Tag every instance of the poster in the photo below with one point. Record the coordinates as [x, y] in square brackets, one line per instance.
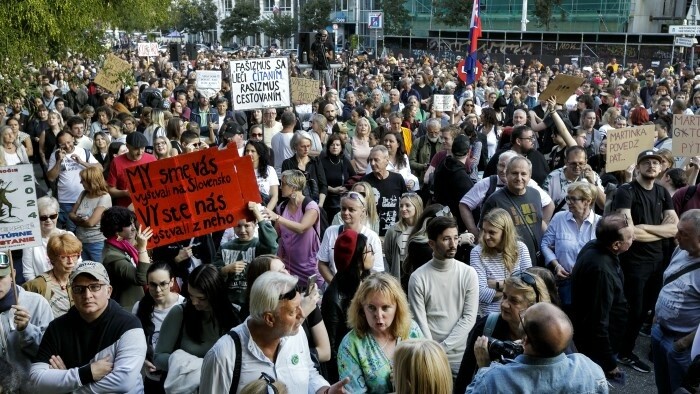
[148, 49]
[686, 135]
[208, 82]
[108, 76]
[625, 144]
[304, 90]
[19, 214]
[563, 86]
[443, 102]
[260, 83]
[192, 194]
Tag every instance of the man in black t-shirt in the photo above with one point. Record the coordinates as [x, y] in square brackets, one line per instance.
[649, 210]
[387, 186]
[321, 56]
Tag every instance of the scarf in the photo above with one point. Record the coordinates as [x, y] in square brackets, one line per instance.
[125, 247]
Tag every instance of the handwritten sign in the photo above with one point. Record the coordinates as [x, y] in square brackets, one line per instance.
[108, 76]
[304, 90]
[19, 218]
[260, 83]
[686, 135]
[193, 194]
[563, 86]
[443, 102]
[625, 144]
[148, 49]
[208, 82]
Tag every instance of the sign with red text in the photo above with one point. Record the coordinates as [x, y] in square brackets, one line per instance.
[625, 144]
[192, 194]
[686, 135]
[19, 217]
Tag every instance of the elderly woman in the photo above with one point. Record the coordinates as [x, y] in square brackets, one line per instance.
[125, 256]
[318, 133]
[316, 186]
[12, 152]
[567, 233]
[64, 253]
[35, 261]
[338, 170]
[379, 319]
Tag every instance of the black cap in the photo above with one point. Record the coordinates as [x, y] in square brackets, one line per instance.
[649, 154]
[460, 146]
[136, 140]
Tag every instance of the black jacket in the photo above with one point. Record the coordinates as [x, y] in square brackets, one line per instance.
[334, 308]
[451, 183]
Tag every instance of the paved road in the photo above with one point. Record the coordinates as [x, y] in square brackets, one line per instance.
[639, 383]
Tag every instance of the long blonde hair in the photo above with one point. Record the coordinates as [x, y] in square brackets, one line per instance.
[421, 367]
[501, 219]
[372, 216]
[417, 203]
[388, 286]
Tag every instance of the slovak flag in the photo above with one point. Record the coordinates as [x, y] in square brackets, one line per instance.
[472, 66]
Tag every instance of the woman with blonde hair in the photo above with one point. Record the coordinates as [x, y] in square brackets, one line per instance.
[162, 148]
[87, 212]
[379, 318]
[395, 244]
[498, 255]
[371, 218]
[421, 367]
[12, 152]
[157, 126]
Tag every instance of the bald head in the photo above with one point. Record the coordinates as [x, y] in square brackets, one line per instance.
[548, 330]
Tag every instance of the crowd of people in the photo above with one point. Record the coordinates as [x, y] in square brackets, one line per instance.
[398, 247]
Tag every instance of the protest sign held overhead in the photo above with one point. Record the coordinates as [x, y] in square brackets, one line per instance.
[109, 77]
[443, 102]
[148, 49]
[304, 90]
[208, 82]
[193, 194]
[563, 86]
[19, 218]
[625, 144]
[260, 83]
[686, 135]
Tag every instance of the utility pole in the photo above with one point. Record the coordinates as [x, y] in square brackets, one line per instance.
[692, 18]
[523, 19]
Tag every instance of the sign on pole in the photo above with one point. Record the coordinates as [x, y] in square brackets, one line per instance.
[304, 90]
[687, 42]
[376, 20]
[686, 135]
[691, 30]
[108, 76]
[625, 144]
[208, 82]
[148, 49]
[260, 83]
[443, 102]
[19, 218]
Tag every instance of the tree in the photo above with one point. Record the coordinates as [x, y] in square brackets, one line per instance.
[243, 21]
[453, 13]
[196, 16]
[396, 17]
[544, 9]
[315, 14]
[279, 26]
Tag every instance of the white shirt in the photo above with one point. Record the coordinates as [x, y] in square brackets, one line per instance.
[69, 186]
[325, 252]
[281, 145]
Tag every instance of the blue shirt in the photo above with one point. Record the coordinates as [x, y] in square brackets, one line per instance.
[564, 239]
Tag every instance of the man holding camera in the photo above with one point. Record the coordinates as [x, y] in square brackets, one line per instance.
[543, 366]
[321, 54]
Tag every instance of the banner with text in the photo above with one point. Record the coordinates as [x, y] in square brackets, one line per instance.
[208, 82]
[443, 102]
[109, 77]
[304, 90]
[148, 49]
[260, 83]
[686, 135]
[625, 144]
[193, 194]
[563, 86]
[19, 218]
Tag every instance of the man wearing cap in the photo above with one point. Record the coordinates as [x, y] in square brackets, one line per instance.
[117, 179]
[95, 347]
[451, 180]
[649, 210]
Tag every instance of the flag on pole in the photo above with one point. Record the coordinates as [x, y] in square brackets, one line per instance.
[472, 66]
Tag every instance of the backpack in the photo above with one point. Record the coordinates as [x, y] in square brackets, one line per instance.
[322, 217]
[237, 366]
[493, 185]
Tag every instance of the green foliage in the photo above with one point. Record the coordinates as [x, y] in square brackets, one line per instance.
[315, 14]
[544, 10]
[453, 13]
[243, 21]
[196, 16]
[354, 42]
[396, 17]
[279, 27]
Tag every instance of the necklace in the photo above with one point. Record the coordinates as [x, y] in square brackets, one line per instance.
[63, 286]
[330, 158]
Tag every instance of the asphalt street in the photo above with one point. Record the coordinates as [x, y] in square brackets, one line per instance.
[637, 382]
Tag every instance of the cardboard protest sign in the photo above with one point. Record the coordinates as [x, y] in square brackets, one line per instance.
[108, 76]
[260, 83]
[443, 102]
[148, 49]
[304, 90]
[19, 217]
[563, 86]
[625, 144]
[208, 82]
[192, 194]
[686, 135]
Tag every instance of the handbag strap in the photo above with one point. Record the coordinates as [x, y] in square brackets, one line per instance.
[522, 217]
[685, 270]
[237, 365]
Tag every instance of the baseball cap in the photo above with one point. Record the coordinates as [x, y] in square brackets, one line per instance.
[136, 140]
[92, 268]
[649, 154]
[460, 146]
[5, 268]
[344, 249]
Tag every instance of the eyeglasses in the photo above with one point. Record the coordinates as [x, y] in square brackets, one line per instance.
[522, 322]
[369, 250]
[529, 279]
[355, 196]
[527, 138]
[93, 287]
[159, 144]
[66, 257]
[444, 212]
[256, 135]
[162, 285]
[409, 194]
[269, 380]
[4, 261]
[571, 199]
[44, 218]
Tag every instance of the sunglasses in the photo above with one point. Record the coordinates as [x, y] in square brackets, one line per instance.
[444, 212]
[44, 218]
[4, 260]
[529, 279]
[355, 196]
[290, 295]
[269, 380]
[409, 194]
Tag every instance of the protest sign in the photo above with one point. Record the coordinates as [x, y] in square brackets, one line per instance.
[563, 86]
[260, 83]
[192, 194]
[109, 76]
[19, 218]
[304, 90]
[148, 49]
[625, 144]
[443, 102]
[208, 82]
[686, 135]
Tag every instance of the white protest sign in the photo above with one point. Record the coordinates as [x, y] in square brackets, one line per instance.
[19, 218]
[208, 82]
[147, 49]
[260, 83]
[625, 144]
[443, 102]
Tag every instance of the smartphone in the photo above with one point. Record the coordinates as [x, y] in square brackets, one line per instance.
[311, 282]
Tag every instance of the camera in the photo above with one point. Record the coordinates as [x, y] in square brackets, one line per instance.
[503, 351]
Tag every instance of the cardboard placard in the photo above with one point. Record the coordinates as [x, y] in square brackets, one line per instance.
[108, 76]
[208, 82]
[304, 90]
[192, 194]
[148, 49]
[625, 144]
[19, 216]
[686, 135]
[260, 83]
[443, 102]
[563, 86]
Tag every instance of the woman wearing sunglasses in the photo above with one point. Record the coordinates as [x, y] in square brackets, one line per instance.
[35, 260]
[372, 218]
